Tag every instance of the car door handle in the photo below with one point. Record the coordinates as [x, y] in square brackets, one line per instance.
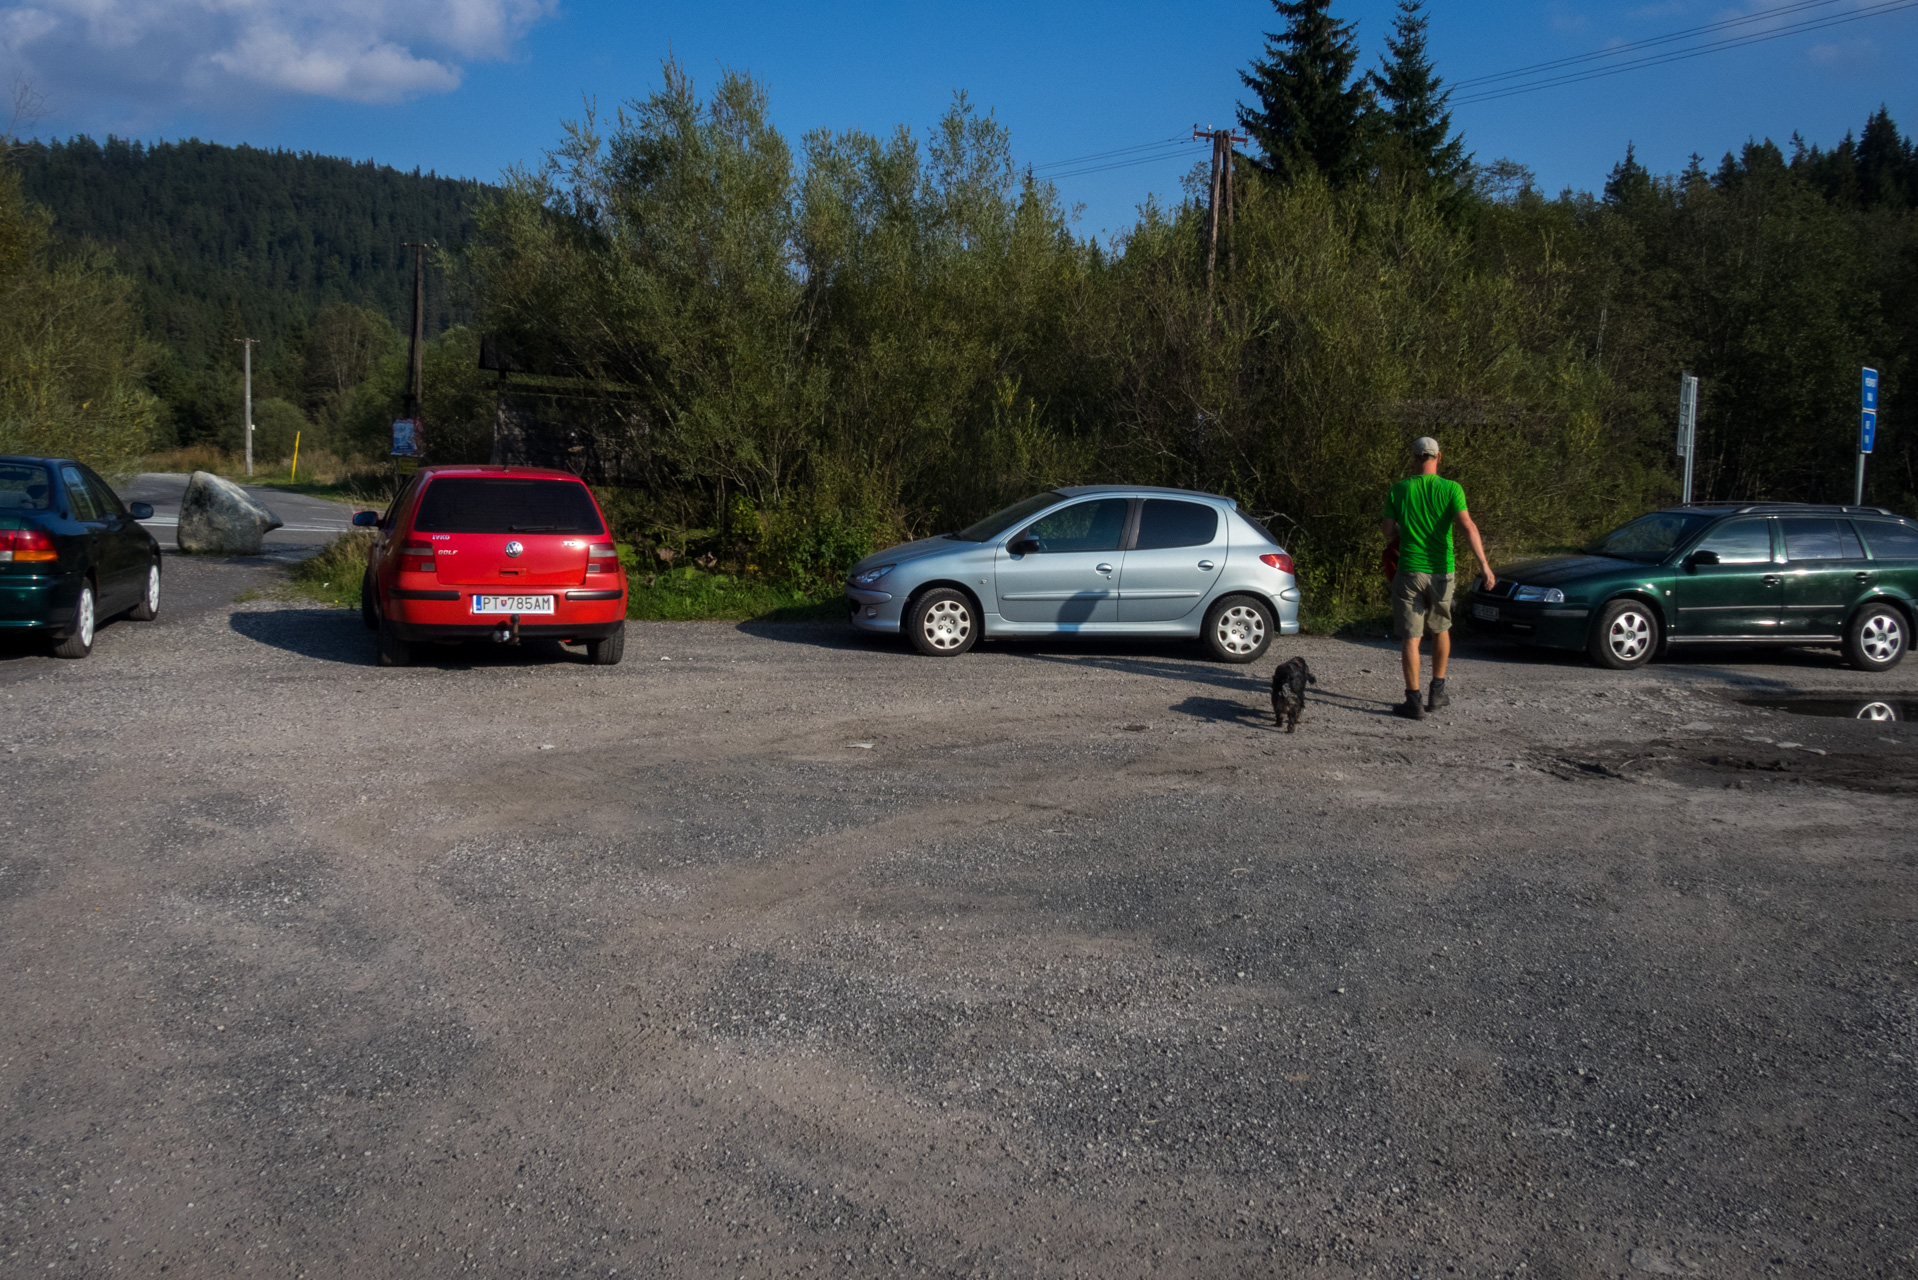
[1772, 579]
[1103, 568]
[1205, 564]
[1863, 578]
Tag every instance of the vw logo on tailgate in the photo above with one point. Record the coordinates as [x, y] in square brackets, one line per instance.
[514, 548]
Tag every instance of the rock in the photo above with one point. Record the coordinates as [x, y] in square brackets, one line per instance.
[218, 517]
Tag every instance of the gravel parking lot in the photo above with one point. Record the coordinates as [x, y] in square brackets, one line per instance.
[774, 951]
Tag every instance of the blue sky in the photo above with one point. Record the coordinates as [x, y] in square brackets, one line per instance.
[468, 87]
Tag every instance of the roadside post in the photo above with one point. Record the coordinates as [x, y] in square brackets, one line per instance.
[1867, 427]
[294, 474]
[1687, 427]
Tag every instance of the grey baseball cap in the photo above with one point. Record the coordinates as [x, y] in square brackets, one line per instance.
[1425, 447]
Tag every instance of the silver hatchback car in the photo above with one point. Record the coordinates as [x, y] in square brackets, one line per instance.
[1095, 560]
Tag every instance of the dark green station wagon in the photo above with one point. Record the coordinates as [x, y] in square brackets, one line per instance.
[1762, 573]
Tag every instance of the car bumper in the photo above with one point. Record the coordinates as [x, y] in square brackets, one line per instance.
[447, 614]
[874, 611]
[1552, 626]
[30, 601]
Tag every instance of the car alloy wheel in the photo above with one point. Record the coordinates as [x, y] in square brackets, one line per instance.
[1240, 629]
[1876, 638]
[946, 624]
[1625, 634]
[1630, 635]
[1237, 629]
[941, 623]
[149, 607]
[79, 643]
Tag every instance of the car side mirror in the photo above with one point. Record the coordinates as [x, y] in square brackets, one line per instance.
[1701, 556]
[365, 519]
[1023, 546]
[140, 510]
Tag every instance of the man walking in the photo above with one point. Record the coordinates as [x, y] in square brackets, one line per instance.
[1419, 515]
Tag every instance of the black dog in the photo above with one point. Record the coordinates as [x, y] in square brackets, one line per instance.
[1288, 691]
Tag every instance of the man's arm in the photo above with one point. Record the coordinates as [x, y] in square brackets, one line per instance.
[1390, 528]
[1464, 519]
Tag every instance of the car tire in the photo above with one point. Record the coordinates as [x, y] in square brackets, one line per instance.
[392, 651]
[607, 651]
[942, 623]
[1238, 629]
[149, 607]
[79, 642]
[1624, 636]
[369, 610]
[1877, 636]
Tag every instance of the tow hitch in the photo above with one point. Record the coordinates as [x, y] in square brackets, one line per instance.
[508, 634]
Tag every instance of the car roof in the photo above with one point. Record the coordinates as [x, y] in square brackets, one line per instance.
[1779, 508]
[36, 461]
[1081, 490]
[495, 469]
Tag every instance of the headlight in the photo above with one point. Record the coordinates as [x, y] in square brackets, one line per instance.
[870, 576]
[1548, 595]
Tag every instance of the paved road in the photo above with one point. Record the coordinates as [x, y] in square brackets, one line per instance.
[773, 952]
[309, 521]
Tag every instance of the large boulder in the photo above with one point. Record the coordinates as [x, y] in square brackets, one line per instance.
[218, 517]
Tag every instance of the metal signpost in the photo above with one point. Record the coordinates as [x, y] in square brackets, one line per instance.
[1687, 427]
[1867, 427]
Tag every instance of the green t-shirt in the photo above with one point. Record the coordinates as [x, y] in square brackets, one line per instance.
[1424, 507]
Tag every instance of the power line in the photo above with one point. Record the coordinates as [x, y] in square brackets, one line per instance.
[1613, 51]
[1102, 155]
[1719, 46]
[1163, 149]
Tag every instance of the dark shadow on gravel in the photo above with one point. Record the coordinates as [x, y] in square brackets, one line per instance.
[816, 635]
[337, 635]
[326, 635]
[1219, 711]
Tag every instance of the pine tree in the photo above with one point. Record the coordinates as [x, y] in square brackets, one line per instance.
[1885, 164]
[1311, 111]
[1412, 121]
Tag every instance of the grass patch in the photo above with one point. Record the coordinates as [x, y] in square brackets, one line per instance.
[333, 576]
[692, 595]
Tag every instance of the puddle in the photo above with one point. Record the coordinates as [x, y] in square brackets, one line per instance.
[1884, 708]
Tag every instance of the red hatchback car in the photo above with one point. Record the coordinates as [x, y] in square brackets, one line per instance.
[493, 553]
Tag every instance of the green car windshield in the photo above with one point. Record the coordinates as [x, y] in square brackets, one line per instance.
[1649, 538]
[1000, 521]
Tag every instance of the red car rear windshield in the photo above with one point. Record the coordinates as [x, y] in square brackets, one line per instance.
[506, 504]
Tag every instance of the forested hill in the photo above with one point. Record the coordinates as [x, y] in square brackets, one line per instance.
[224, 241]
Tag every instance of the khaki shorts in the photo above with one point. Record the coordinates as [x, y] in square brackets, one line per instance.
[1421, 604]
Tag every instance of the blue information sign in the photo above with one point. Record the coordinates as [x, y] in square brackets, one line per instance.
[1868, 405]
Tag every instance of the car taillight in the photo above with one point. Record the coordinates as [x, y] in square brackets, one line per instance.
[416, 557]
[1281, 561]
[18, 545]
[603, 558]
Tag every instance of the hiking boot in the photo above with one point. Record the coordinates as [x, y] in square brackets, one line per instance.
[1411, 708]
[1439, 698]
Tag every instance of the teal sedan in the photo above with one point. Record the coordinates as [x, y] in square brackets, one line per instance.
[1762, 574]
[72, 554]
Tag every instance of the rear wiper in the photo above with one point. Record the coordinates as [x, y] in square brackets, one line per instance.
[531, 528]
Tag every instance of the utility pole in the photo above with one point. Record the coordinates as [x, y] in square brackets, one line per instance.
[1223, 202]
[416, 347]
[409, 436]
[246, 420]
[1687, 428]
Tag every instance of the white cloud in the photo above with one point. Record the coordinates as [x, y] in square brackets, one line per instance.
[154, 57]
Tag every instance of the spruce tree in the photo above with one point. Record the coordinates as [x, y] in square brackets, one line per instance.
[1311, 112]
[1412, 121]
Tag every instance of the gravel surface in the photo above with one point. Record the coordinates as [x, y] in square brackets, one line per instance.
[773, 952]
